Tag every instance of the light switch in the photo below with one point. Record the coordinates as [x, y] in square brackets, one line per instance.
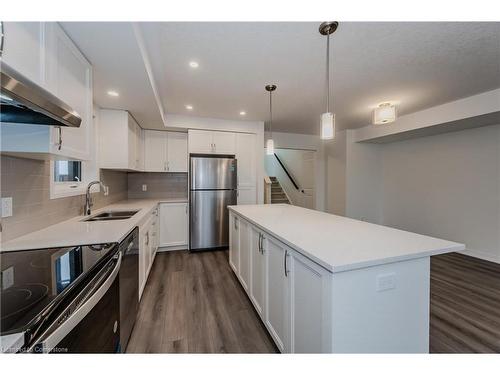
[7, 207]
[386, 282]
[144, 187]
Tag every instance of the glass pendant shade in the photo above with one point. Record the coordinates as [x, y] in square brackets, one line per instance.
[270, 147]
[384, 114]
[327, 125]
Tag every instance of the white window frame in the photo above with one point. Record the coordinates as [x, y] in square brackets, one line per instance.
[73, 188]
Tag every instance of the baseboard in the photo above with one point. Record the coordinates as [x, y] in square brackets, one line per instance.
[172, 248]
[481, 255]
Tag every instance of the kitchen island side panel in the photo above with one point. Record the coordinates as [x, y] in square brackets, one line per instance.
[382, 309]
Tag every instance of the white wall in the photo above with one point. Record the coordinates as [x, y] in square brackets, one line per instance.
[307, 142]
[176, 122]
[335, 155]
[446, 186]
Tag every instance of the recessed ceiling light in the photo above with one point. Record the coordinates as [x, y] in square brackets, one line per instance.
[189, 107]
[113, 93]
[193, 64]
[243, 113]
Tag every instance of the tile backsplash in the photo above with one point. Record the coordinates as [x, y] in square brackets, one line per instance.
[159, 185]
[27, 182]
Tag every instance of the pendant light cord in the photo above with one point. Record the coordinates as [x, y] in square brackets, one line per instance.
[270, 113]
[328, 73]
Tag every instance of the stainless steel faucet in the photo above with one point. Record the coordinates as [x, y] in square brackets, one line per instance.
[88, 199]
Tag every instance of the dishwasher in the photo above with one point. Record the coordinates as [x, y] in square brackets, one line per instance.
[129, 285]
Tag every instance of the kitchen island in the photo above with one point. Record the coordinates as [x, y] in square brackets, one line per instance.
[323, 283]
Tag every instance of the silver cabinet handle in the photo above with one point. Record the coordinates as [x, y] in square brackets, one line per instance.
[168, 166]
[147, 238]
[236, 224]
[284, 262]
[2, 38]
[262, 250]
[59, 143]
[260, 243]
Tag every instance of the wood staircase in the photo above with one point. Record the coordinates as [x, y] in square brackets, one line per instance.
[277, 193]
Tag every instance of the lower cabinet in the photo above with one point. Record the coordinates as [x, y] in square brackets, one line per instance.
[278, 312]
[145, 253]
[234, 243]
[291, 293]
[258, 269]
[173, 222]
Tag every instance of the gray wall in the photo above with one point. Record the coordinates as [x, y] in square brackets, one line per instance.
[28, 181]
[159, 185]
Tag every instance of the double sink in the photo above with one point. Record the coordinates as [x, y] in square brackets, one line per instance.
[112, 215]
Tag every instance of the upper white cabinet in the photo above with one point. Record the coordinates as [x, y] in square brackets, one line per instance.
[245, 155]
[165, 151]
[69, 77]
[211, 142]
[24, 49]
[173, 225]
[46, 55]
[120, 141]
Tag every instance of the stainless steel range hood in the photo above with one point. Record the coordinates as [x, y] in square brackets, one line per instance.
[24, 102]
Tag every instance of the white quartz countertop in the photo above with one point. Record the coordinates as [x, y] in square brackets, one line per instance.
[74, 231]
[338, 243]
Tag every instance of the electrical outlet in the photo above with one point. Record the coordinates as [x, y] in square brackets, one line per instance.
[386, 282]
[7, 207]
[106, 190]
[7, 278]
[144, 187]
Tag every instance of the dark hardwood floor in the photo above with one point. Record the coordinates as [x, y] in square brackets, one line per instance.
[465, 305]
[193, 303]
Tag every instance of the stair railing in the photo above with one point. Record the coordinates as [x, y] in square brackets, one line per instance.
[288, 174]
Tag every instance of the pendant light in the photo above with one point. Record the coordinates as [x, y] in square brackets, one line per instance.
[270, 142]
[328, 118]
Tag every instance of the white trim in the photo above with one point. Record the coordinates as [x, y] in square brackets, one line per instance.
[164, 249]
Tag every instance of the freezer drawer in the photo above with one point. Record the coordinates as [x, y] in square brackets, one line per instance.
[209, 218]
[212, 173]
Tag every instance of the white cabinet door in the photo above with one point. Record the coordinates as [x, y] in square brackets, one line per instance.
[258, 268]
[245, 156]
[173, 224]
[277, 318]
[69, 77]
[247, 196]
[245, 248]
[177, 153]
[234, 243]
[200, 141]
[155, 151]
[224, 143]
[310, 306]
[24, 49]
[139, 148]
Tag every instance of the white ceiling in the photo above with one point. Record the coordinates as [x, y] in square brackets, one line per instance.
[418, 65]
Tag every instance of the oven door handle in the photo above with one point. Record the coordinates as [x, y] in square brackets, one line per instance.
[64, 329]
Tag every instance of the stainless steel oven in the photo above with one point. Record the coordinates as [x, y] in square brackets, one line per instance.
[61, 300]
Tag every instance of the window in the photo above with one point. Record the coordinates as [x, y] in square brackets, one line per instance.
[66, 171]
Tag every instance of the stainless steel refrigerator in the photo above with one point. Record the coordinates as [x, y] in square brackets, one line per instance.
[212, 186]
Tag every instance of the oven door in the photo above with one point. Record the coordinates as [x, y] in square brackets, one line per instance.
[91, 323]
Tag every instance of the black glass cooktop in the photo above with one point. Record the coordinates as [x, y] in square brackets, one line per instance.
[34, 280]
